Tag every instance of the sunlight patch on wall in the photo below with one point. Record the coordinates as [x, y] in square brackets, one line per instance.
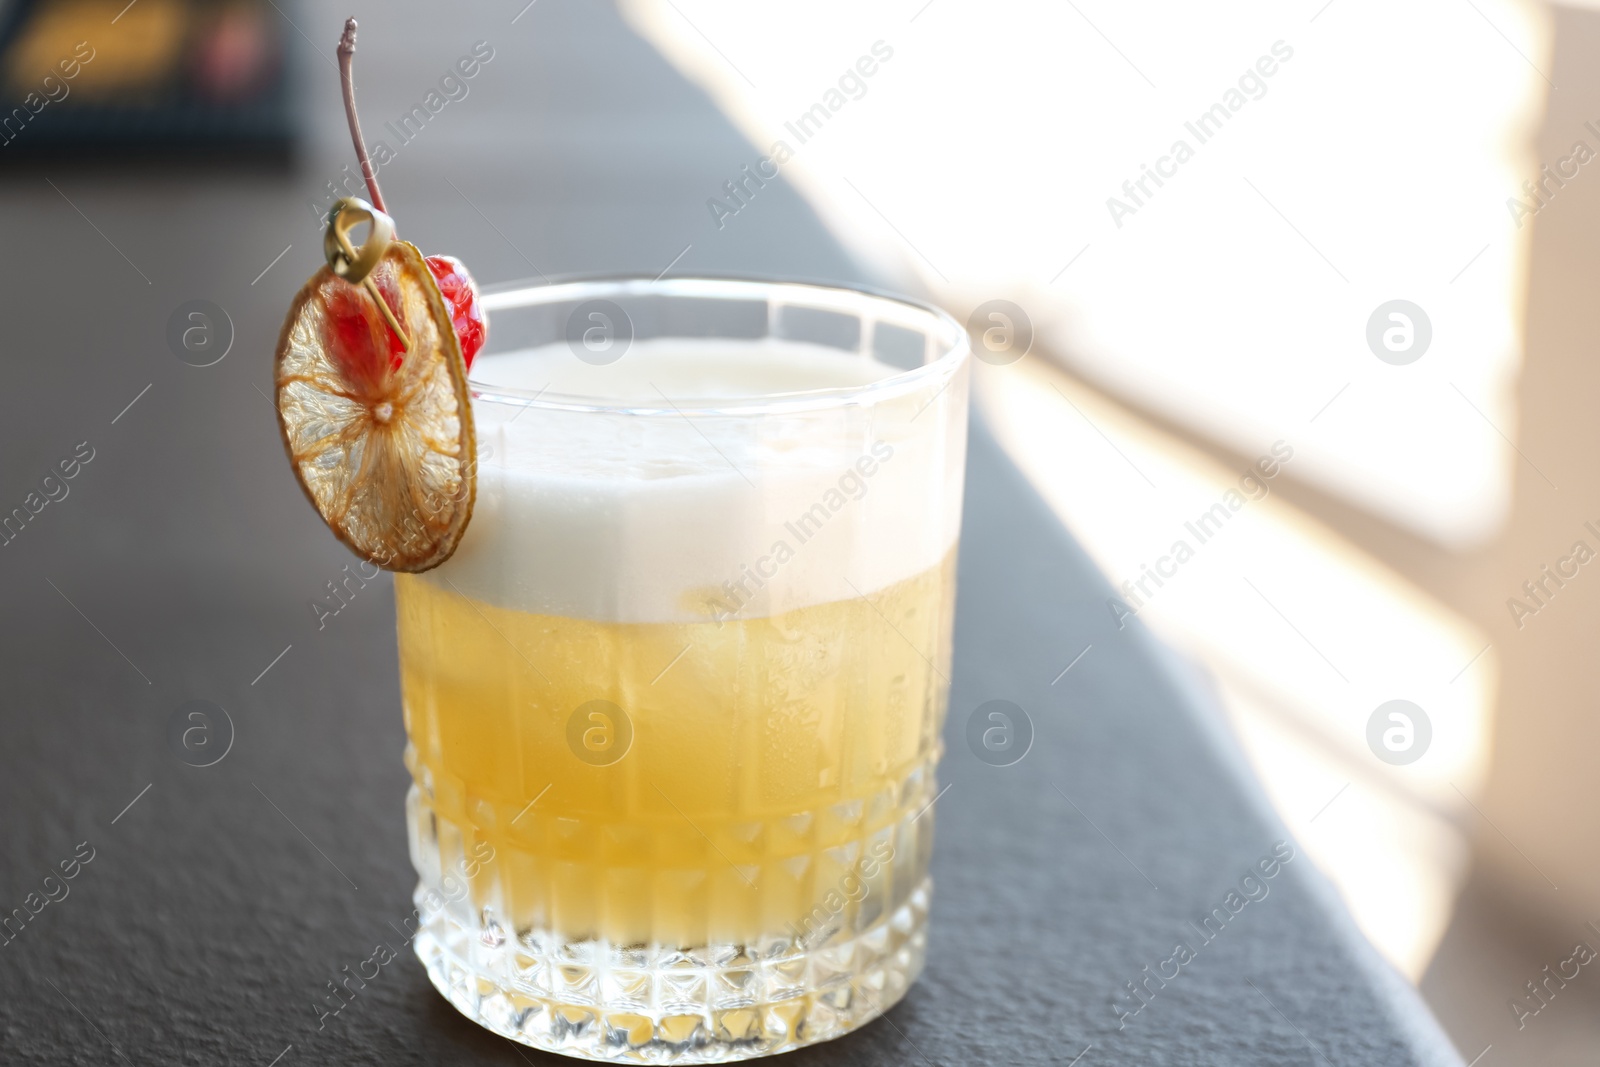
[1306, 635]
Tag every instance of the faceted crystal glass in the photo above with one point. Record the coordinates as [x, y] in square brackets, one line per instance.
[674, 707]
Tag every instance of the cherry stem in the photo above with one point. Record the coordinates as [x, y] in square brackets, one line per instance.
[347, 52]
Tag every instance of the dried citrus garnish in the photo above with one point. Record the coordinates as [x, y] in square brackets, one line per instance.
[378, 424]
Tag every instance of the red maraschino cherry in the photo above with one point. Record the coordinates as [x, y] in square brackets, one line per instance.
[461, 293]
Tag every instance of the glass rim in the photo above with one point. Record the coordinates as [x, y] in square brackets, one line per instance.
[892, 308]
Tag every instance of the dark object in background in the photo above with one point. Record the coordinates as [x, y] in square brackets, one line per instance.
[180, 80]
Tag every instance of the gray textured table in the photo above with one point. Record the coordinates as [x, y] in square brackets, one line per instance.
[219, 901]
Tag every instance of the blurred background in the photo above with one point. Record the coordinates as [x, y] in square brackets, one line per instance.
[1285, 309]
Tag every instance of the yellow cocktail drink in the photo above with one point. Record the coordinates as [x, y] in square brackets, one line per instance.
[674, 705]
[771, 761]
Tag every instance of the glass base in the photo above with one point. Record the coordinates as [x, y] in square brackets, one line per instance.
[713, 1004]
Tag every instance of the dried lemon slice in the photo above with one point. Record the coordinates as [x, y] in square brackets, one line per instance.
[378, 425]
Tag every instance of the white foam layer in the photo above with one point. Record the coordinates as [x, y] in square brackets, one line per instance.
[676, 517]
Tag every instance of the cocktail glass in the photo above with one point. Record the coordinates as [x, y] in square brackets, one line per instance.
[674, 706]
